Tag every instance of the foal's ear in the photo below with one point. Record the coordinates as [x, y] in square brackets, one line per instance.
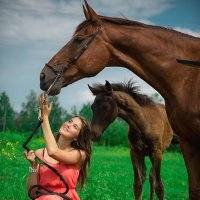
[108, 88]
[90, 14]
[93, 90]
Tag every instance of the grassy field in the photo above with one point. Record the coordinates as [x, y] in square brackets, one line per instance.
[111, 174]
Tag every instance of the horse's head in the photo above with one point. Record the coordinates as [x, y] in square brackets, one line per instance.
[85, 55]
[104, 109]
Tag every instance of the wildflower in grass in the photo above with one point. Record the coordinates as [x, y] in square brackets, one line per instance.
[11, 145]
[9, 150]
[8, 144]
[6, 154]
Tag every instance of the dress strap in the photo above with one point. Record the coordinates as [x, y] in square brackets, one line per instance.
[43, 152]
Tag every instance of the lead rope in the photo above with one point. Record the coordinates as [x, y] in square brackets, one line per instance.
[38, 187]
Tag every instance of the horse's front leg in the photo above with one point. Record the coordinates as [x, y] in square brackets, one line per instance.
[156, 159]
[191, 154]
[139, 173]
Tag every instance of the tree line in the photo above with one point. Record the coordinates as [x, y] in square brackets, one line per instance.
[24, 122]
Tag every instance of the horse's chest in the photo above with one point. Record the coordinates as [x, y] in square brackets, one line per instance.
[140, 144]
[185, 123]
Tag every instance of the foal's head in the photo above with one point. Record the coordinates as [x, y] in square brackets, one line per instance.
[84, 55]
[104, 109]
[112, 101]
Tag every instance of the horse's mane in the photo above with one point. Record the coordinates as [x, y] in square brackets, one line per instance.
[122, 21]
[127, 22]
[114, 20]
[128, 88]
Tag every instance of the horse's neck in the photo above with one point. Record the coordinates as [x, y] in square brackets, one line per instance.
[151, 54]
[129, 109]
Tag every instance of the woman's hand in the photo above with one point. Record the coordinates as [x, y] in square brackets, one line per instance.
[30, 156]
[45, 108]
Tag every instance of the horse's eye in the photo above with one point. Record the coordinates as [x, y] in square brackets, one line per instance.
[79, 39]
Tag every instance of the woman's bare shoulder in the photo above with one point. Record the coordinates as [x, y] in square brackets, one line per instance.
[81, 157]
[82, 154]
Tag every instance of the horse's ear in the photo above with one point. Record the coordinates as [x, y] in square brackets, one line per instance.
[86, 13]
[93, 90]
[91, 14]
[108, 87]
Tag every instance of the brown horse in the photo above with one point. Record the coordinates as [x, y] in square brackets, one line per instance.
[149, 130]
[149, 51]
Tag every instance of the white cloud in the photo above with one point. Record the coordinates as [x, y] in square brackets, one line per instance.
[136, 8]
[187, 31]
[86, 96]
[56, 20]
[37, 20]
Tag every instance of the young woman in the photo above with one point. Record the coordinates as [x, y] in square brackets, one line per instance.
[69, 153]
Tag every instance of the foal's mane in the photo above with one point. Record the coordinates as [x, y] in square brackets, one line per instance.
[128, 88]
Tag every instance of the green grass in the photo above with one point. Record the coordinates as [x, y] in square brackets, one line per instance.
[111, 174]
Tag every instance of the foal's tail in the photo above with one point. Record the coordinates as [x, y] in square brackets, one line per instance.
[175, 139]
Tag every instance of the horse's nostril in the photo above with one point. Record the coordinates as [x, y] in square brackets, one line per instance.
[42, 76]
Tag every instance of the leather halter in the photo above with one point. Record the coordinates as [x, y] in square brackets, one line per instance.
[71, 61]
[189, 62]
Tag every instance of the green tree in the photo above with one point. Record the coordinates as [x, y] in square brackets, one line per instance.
[7, 113]
[29, 114]
[58, 114]
[28, 117]
[74, 111]
[86, 111]
[115, 134]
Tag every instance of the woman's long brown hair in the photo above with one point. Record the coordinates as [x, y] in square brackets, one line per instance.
[83, 143]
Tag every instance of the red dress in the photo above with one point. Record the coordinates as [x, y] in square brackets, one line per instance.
[50, 180]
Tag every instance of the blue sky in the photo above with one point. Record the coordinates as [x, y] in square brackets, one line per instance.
[31, 32]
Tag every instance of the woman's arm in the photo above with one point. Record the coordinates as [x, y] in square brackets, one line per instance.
[49, 138]
[33, 176]
[71, 157]
[64, 156]
[68, 157]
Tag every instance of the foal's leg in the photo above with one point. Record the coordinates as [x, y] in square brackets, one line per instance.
[152, 182]
[156, 159]
[139, 173]
[143, 170]
[191, 154]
